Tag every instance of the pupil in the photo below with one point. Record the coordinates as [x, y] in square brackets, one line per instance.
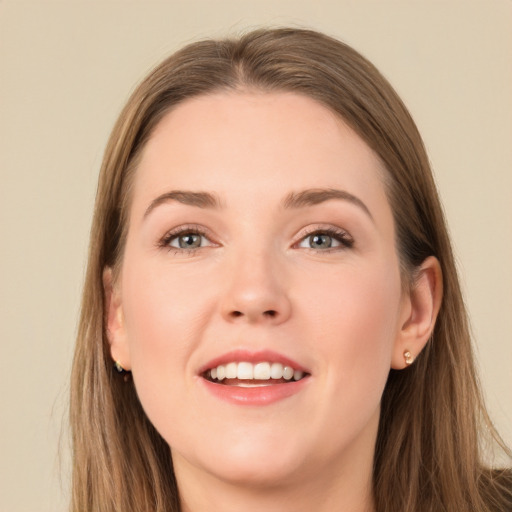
[188, 241]
[323, 241]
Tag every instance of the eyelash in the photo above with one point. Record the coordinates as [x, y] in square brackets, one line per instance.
[164, 243]
[340, 235]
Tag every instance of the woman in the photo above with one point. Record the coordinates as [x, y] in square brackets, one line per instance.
[271, 316]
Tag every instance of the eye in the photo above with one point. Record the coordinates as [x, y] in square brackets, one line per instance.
[185, 239]
[326, 239]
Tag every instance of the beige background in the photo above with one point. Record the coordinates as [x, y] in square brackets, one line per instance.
[66, 68]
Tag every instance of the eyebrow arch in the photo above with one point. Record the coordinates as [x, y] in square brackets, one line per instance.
[312, 196]
[199, 199]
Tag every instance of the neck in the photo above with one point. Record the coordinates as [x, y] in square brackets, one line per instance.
[348, 496]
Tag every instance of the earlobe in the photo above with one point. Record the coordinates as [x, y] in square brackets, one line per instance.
[420, 312]
[114, 320]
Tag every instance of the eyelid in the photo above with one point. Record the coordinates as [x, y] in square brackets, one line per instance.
[342, 235]
[196, 229]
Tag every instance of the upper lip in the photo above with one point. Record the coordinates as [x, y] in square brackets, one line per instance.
[251, 357]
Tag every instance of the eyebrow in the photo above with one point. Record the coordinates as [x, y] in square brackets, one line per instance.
[313, 196]
[198, 199]
[304, 198]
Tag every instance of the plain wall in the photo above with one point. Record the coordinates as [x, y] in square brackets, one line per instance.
[66, 68]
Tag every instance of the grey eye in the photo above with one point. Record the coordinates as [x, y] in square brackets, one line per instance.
[319, 241]
[325, 239]
[187, 241]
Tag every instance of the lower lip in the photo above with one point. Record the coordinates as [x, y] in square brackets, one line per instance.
[263, 395]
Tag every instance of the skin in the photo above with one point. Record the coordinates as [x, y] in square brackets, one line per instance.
[257, 283]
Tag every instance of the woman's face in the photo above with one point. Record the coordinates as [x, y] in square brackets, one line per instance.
[260, 238]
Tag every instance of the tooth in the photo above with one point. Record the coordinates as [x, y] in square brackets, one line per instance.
[276, 371]
[231, 371]
[262, 371]
[248, 384]
[297, 375]
[287, 372]
[245, 371]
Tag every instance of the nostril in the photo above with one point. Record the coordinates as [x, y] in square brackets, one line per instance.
[271, 313]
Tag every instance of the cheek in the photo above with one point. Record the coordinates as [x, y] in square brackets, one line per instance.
[357, 305]
[166, 313]
[354, 323]
[165, 308]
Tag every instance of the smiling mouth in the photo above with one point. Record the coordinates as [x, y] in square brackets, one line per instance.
[245, 374]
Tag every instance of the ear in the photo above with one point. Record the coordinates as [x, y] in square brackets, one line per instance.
[420, 307]
[116, 333]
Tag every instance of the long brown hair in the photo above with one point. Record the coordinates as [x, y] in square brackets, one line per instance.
[428, 448]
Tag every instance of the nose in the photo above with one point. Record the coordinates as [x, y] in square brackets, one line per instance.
[256, 291]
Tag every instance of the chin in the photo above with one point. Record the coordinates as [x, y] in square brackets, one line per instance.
[251, 461]
[265, 471]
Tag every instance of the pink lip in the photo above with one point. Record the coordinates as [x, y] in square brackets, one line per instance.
[252, 357]
[263, 395]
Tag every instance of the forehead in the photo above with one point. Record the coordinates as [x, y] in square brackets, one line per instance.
[252, 142]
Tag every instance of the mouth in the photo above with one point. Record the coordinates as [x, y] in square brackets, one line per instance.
[251, 375]
[248, 378]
